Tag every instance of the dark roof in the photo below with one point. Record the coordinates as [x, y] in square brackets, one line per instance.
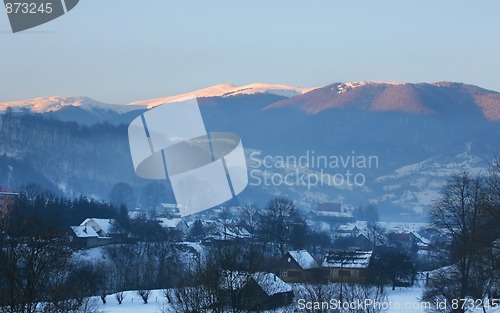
[329, 207]
[347, 259]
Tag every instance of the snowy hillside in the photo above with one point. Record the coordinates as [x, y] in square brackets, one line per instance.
[226, 90]
[418, 185]
[405, 300]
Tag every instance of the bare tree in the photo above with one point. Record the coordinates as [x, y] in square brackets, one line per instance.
[462, 218]
[320, 293]
[250, 215]
[31, 258]
[278, 222]
[354, 292]
[153, 194]
[122, 194]
[119, 296]
[144, 294]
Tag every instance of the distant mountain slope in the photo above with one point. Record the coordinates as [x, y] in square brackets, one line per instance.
[420, 134]
[227, 90]
[56, 103]
[444, 97]
[83, 110]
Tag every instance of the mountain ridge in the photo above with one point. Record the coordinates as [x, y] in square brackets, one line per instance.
[227, 90]
[56, 103]
[422, 98]
[377, 96]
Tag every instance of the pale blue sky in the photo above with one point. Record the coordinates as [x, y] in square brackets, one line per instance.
[119, 51]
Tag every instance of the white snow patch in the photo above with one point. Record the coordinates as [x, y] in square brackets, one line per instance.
[227, 90]
[344, 87]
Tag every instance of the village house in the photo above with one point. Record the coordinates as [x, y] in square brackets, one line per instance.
[87, 237]
[349, 228]
[7, 198]
[220, 230]
[93, 232]
[255, 291]
[175, 227]
[346, 266]
[409, 241]
[297, 266]
[332, 213]
[168, 210]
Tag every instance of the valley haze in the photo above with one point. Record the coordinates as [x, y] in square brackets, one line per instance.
[410, 138]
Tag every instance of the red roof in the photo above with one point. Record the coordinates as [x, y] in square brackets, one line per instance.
[4, 189]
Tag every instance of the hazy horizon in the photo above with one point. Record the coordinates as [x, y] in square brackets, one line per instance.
[119, 52]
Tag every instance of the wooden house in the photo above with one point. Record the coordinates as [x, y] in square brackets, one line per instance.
[296, 266]
[346, 266]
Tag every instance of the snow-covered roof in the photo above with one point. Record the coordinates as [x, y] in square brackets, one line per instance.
[237, 232]
[376, 237]
[333, 214]
[347, 227]
[220, 231]
[84, 231]
[270, 283]
[105, 224]
[169, 205]
[347, 259]
[423, 240]
[230, 233]
[196, 246]
[170, 222]
[303, 258]
[136, 215]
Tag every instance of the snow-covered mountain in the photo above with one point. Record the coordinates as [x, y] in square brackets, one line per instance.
[56, 103]
[88, 111]
[227, 90]
[378, 96]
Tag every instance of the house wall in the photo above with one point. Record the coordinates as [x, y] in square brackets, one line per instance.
[6, 199]
[90, 242]
[290, 271]
[291, 275]
[347, 275]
